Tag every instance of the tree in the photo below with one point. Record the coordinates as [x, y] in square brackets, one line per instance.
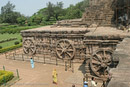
[21, 20]
[8, 15]
[7, 8]
[50, 11]
[58, 9]
[73, 12]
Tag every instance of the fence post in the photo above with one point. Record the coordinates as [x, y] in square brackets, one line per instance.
[4, 68]
[65, 66]
[17, 73]
[22, 57]
[70, 63]
[72, 66]
[44, 58]
[14, 55]
[4, 80]
[5, 56]
[56, 61]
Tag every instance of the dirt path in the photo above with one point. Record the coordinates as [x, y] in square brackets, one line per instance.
[40, 76]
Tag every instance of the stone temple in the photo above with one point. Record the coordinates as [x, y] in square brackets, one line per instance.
[92, 38]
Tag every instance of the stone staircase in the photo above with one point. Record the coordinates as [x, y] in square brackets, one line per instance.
[121, 74]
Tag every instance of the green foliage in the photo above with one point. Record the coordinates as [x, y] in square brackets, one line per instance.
[16, 42]
[8, 15]
[54, 12]
[73, 13]
[45, 16]
[21, 40]
[7, 8]
[5, 74]
[10, 48]
[21, 20]
[12, 29]
[50, 11]
[58, 9]
[1, 47]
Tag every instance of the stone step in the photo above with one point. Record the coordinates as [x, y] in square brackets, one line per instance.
[121, 74]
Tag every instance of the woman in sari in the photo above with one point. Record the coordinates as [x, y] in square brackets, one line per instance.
[54, 76]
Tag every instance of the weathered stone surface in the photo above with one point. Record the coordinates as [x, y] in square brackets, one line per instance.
[121, 74]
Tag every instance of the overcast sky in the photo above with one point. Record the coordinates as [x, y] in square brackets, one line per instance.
[28, 7]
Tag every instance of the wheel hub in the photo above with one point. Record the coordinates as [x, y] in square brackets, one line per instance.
[64, 50]
[103, 65]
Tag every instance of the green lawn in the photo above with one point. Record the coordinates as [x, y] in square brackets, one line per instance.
[7, 36]
[10, 31]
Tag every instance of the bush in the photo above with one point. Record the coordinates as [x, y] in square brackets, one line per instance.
[1, 47]
[12, 29]
[16, 42]
[8, 76]
[10, 48]
[6, 40]
[21, 40]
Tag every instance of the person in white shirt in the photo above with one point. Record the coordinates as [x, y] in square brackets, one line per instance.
[93, 83]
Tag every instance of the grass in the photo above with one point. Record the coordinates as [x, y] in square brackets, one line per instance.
[12, 31]
[7, 36]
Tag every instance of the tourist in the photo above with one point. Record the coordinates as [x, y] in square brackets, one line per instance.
[54, 76]
[85, 83]
[32, 63]
[93, 83]
[73, 85]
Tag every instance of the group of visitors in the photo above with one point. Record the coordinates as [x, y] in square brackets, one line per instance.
[93, 83]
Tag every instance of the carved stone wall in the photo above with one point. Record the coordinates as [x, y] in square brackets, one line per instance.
[99, 12]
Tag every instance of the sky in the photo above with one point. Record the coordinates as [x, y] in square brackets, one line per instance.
[29, 7]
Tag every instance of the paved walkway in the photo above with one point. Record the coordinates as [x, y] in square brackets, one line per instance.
[121, 74]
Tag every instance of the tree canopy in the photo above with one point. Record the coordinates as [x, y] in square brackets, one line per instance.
[8, 15]
[48, 15]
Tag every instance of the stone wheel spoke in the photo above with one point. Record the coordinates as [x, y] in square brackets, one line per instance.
[68, 46]
[70, 50]
[68, 54]
[104, 53]
[59, 49]
[98, 57]
[61, 53]
[60, 46]
[96, 62]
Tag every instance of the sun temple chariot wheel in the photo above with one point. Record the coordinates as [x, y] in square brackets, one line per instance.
[65, 49]
[29, 46]
[100, 61]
